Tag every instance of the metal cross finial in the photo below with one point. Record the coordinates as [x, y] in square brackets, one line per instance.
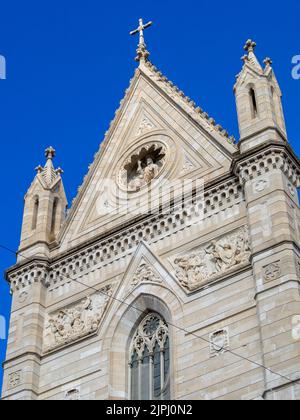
[142, 50]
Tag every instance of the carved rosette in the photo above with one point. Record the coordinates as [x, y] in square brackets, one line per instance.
[213, 260]
[142, 166]
[76, 321]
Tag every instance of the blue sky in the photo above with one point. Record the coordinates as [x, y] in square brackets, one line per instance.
[69, 63]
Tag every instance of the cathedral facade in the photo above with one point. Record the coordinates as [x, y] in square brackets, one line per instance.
[175, 273]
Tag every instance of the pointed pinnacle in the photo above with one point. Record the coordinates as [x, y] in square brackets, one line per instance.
[50, 153]
[250, 46]
[268, 62]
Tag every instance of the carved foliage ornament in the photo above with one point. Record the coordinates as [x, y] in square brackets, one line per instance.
[142, 167]
[145, 273]
[77, 321]
[208, 262]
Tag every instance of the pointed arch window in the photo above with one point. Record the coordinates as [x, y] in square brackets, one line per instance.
[253, 100]
[36, 206]
[149, 364]
[54, 213]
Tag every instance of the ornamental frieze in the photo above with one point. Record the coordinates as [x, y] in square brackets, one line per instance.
[76, 321]
[208, 262]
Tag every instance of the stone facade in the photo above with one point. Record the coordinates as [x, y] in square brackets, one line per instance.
[220, 265]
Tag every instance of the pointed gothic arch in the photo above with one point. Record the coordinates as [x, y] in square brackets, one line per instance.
[149, 360]
[121, 326]
[54, 217]
[36, 206]
[253, 102]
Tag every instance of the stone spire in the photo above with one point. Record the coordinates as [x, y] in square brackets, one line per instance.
[259, 104]
[48, 173]
[250, 57]
[142, 52]
[45, 209]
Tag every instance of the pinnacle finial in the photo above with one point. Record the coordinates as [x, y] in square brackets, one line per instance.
[50, 153]
[268, 62]
[250, 46]
[142, 52]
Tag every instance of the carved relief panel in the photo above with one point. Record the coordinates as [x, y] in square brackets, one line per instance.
[76, 321]
[208, 262]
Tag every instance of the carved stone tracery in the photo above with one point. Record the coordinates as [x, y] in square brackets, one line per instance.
[152, 330]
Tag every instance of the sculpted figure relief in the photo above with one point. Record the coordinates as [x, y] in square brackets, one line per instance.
[196, 269]
[142, 167]
[76, 321]
[145, 273]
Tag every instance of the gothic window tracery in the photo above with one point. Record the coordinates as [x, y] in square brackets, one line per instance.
[149, 365]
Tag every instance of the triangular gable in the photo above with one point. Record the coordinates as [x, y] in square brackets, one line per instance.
[146, 269]
[152, 111]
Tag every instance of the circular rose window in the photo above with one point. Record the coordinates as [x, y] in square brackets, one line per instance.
[143, 166]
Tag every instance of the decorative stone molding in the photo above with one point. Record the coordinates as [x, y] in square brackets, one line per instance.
[219, 342]
[36, 272]
[272, 272]
[270, 159]
[145, 273]
[76, 321]
[15, 379]
[213, 260]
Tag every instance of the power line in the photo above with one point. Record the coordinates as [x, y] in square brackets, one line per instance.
[5, 248]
